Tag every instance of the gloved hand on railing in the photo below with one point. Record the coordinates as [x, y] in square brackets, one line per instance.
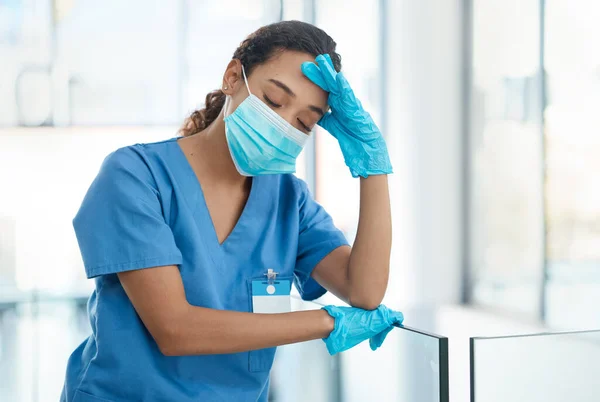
[362, 144]
[354, 325]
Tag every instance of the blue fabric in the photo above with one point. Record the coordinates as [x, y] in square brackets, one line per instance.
[354, 325]
[145, 209]
[362, 144]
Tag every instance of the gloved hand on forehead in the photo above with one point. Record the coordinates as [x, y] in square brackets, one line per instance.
[354, 325]
[362, 144]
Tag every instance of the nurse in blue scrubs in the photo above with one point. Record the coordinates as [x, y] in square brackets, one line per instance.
[189, 239]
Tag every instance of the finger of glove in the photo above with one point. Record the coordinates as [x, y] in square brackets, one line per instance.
[340, 78]
[397, 317]
[328, 57]
[313, 73]
[391, 316]
[328, 72]
[376, 341]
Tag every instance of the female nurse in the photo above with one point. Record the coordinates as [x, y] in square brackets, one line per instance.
[194, 242]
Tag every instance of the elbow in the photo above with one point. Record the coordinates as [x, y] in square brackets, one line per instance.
[367, 304]
[366, 301]
[366, 297]
[169, 343]
[169, 350]
[170, 335]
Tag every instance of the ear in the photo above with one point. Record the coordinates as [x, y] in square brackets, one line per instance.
[232, 79]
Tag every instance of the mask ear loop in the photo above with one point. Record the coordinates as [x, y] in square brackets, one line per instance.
[246, 80]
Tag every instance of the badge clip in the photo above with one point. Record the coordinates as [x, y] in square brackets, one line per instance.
[271, 276]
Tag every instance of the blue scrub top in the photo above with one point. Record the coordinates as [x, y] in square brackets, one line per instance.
[145, 209]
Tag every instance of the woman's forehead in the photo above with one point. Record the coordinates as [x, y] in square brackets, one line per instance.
[286, 67]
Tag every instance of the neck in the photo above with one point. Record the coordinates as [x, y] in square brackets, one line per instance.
[215, 158]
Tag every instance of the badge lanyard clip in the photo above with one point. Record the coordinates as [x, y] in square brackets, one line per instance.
[271, 276]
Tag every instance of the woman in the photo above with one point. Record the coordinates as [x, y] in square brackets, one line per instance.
[190, 239]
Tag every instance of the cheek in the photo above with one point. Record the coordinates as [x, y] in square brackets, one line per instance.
[310, 119]
[233, 102]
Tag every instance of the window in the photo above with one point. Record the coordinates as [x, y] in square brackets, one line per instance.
[213, 30]
[506, 214]
[572, 129]
[25, 51]
[358, 39]
[535, 204]
[137, 80]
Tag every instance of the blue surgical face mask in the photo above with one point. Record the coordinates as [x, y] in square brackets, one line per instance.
[260, 141]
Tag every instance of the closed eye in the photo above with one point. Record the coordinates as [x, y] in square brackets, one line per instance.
[304, 126]
[270, 102]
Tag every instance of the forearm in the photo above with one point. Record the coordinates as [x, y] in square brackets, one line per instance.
[206, 331]
[368, 270]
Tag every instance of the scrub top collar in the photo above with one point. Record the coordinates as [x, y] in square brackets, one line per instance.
[194, 196]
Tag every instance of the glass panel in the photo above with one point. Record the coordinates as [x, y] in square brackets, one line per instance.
[506, 181]
[546, 368]
[358, 38]
[572, 120]
[304, 372]
[410, 366]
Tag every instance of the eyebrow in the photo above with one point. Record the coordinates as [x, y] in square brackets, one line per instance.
[317, 110]
[291, 93]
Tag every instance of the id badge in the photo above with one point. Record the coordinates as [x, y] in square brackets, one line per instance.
[271, 297]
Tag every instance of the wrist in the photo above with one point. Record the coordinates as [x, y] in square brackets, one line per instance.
[328, 323]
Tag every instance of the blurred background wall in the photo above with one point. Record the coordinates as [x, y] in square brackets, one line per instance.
[489, 107]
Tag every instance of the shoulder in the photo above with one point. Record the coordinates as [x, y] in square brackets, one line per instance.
[126, 158]
[126, 172]
[136, 157]
[124, 176]
[136, 161]
[125, 165]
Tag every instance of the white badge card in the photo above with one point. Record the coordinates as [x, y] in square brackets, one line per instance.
[271, 297]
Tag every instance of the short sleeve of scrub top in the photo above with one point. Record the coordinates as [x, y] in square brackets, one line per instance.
[119, 226]
[317, 238]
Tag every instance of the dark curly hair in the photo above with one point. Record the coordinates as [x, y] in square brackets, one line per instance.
[259, 48]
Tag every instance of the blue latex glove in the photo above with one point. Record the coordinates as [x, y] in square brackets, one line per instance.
[362, 144]
[354, 325]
